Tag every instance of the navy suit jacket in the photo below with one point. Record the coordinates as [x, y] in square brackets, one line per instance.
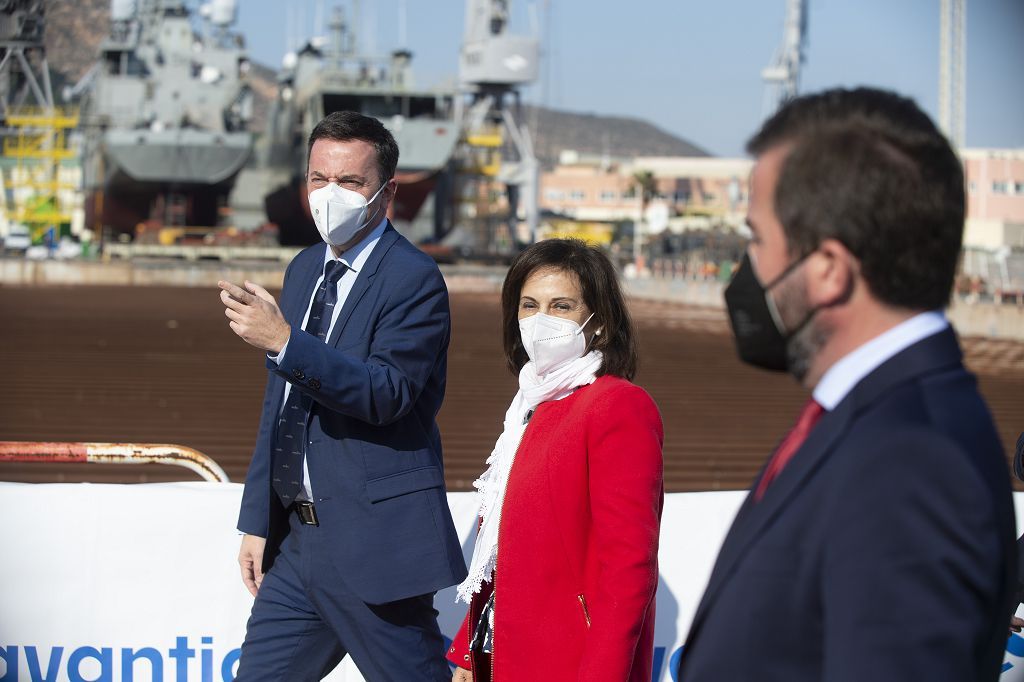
[883, 551]
[373, 447]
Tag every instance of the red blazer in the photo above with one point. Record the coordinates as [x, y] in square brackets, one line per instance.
[578, 543]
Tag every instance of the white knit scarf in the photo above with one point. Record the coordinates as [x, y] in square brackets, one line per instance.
[533, 390]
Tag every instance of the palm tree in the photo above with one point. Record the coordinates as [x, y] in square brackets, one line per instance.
[644, 182]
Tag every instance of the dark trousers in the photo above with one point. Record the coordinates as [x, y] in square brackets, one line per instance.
[305, 620]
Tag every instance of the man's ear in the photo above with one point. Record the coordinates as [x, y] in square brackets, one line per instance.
[832, 272]
[390, 188]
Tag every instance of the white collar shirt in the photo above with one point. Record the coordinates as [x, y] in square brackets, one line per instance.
[844, 375]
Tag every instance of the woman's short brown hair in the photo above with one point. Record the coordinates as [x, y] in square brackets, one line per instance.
[601, 292]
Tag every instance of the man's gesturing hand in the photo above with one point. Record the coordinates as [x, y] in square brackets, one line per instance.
[255, 316]
[250, 559]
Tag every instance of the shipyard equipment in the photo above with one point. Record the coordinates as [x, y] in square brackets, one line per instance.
[498, 169]
[782, 76]
[333, 73]
[34, 131]
[952, 69]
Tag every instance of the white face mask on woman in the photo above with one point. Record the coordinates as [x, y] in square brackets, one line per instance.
[340, 213]
[552, 342]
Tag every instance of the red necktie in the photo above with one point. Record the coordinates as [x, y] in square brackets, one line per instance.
[809, 416]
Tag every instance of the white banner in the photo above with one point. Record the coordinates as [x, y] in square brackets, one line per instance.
[140, 582]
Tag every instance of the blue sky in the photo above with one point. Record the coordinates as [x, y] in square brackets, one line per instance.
[693, 68]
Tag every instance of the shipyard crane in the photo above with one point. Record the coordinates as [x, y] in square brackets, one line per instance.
[493, 65]
[24, 76]
[782, 76]
[952, 69]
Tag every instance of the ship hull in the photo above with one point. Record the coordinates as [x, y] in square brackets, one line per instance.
[134, 171]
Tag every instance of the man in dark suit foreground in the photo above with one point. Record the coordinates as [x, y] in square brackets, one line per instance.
[877, 543]
[347, 528]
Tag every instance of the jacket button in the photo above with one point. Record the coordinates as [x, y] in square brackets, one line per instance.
[465, 657]
[314, 384]
[298, 374]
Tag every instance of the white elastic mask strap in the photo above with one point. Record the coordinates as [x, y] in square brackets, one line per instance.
[370, 201]
[585, 322]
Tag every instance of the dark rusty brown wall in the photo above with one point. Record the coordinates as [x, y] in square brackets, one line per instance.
[159, 365]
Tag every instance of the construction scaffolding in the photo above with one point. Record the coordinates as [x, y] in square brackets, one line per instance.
[41, 194]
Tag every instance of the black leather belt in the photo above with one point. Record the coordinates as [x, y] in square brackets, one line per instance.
[306, 513]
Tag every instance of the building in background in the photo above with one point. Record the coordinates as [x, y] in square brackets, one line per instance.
[689, 192]
[993, 256]
[693, 222]
[995, 198]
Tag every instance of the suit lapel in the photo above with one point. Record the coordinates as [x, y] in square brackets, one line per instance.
[295, 302]
[928, 355]
[753, 517]
[364, 279]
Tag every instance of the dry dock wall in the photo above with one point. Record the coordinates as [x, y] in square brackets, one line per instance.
[986, 319]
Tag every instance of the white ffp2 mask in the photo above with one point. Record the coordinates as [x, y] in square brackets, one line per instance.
[552, 342]
[339, 213]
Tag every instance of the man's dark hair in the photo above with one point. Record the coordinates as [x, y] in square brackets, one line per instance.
[344, 126]
[601, 293]
[869, 168]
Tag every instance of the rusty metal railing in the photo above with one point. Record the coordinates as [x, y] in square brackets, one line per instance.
[114, 453]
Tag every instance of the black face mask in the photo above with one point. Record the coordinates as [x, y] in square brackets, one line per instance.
[760, 341]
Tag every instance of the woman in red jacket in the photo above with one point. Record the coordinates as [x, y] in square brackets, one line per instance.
[562, 581]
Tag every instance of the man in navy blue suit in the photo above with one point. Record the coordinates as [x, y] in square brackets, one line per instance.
[347, 530]
[878, 542]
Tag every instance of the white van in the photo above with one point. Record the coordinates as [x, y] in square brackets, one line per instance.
[17, 240]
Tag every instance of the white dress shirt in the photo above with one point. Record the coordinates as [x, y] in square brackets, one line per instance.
[840, 378]
[354, 259]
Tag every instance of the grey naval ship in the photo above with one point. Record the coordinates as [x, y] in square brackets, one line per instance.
[331, 73]
[165, 111]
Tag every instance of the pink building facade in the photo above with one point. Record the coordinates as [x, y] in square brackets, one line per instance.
[995, 198]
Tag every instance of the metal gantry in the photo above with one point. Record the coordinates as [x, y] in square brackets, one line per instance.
[953, 69]
[782, 76]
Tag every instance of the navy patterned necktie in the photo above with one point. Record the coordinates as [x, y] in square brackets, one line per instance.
[291, 426]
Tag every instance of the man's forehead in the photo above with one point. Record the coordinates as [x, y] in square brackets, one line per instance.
[351, 156]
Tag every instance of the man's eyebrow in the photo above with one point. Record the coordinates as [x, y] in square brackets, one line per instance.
[348, 176]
